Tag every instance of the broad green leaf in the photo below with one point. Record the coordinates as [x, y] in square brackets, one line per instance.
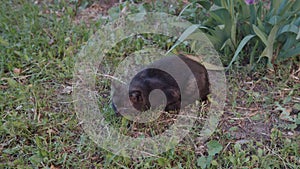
[285, 6]
[214, 147]
[234, 30]
[296, 5]
[290, 53]
[259, 23]
[201, 162]
[275, 5]
[198, 35]
[205, 4]
[289, 28]
[272, 36]
[268, 51]
[240, 47]
[260, 34]
[253, 53]
[275, 20]
[217, 2]
[253, 14]
[183, 36]
[289, 43]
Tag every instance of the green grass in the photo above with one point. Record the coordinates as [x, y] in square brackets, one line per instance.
[39, 128]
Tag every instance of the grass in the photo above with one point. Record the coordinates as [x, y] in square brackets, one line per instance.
[39, 128]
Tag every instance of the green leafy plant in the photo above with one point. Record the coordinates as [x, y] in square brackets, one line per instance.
[286, 116]
[214, 147]
[251, 31]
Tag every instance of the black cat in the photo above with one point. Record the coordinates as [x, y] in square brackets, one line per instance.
[188, 76]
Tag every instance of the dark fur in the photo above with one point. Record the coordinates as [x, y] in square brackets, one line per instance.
[153, 78]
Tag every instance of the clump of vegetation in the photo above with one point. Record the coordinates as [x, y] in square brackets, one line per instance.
[244, 32]
[250, 30]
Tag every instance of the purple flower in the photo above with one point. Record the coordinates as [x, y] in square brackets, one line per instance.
[249, 2]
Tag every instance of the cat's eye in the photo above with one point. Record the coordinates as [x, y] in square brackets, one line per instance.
[135, 96]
